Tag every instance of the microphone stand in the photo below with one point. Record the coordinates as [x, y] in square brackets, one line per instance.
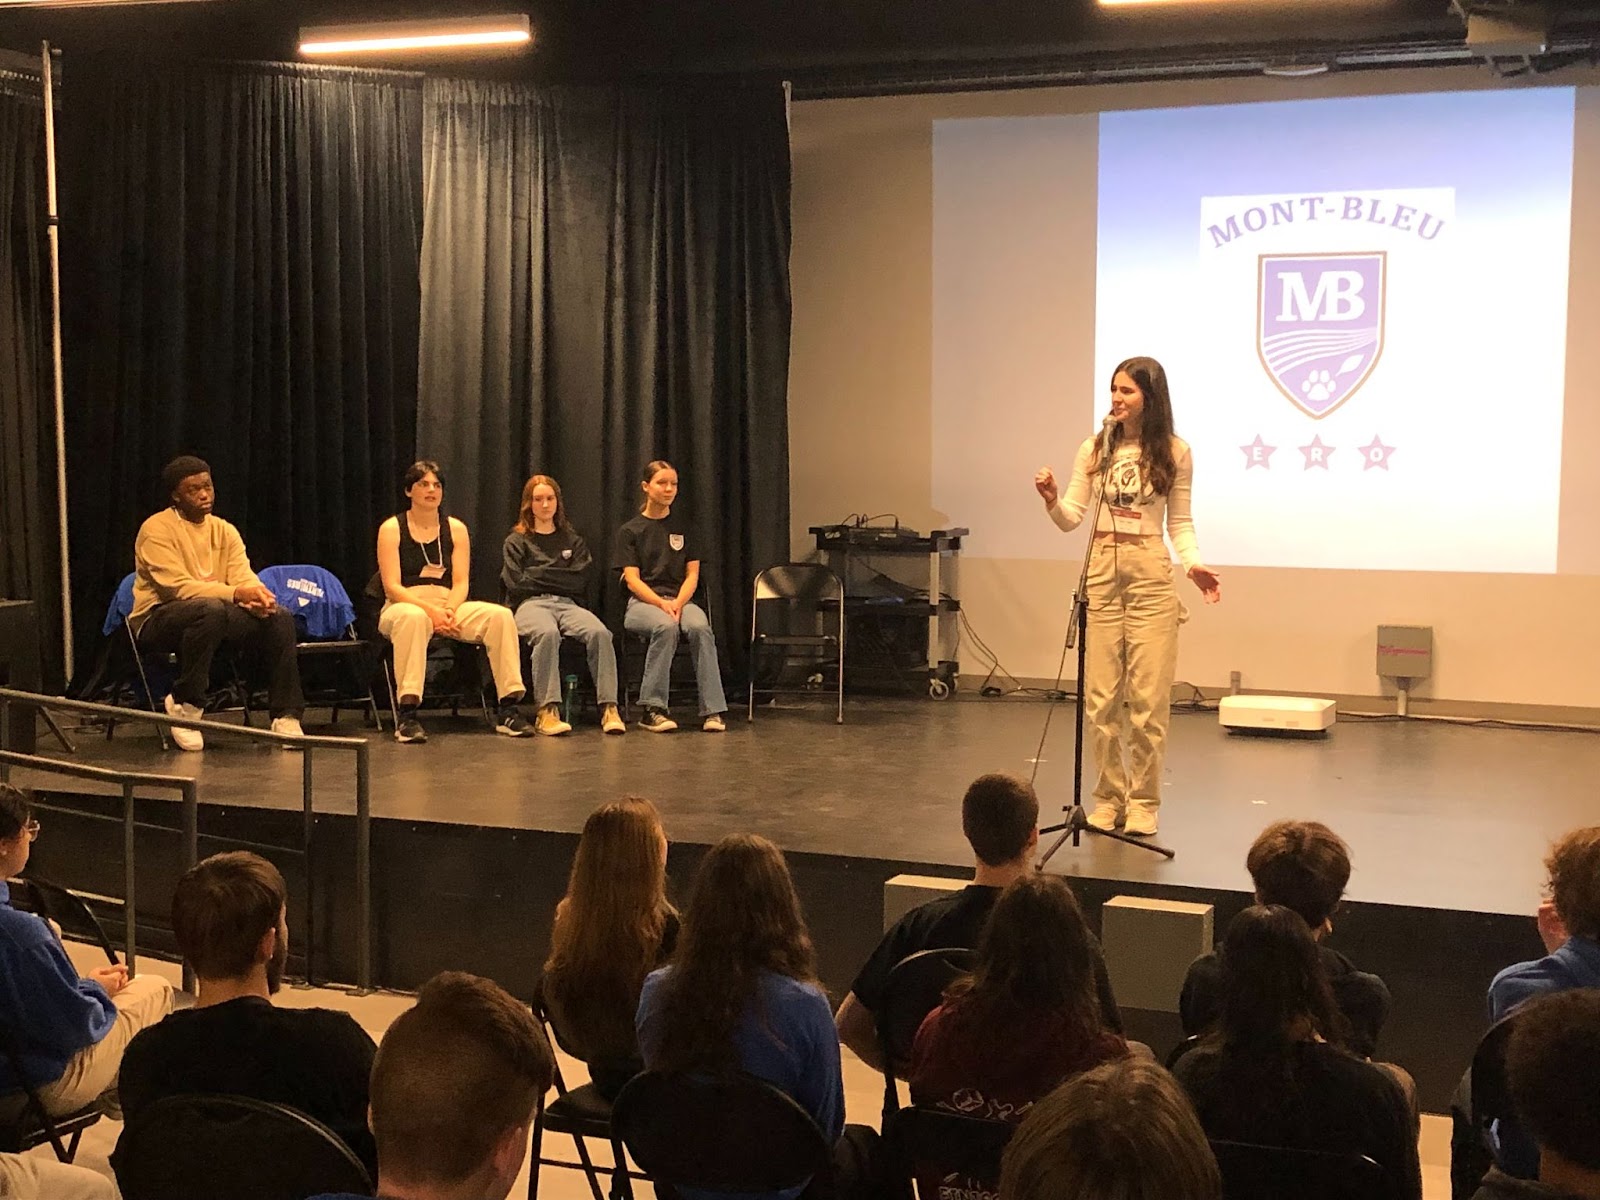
[1075, 822]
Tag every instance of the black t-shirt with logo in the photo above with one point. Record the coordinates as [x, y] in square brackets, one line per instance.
[661, 548]
[545, 564]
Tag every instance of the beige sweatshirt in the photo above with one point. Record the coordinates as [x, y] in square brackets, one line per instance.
[174, 559]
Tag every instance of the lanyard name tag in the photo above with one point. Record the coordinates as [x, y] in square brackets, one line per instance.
[1126, 520]
[433, 570]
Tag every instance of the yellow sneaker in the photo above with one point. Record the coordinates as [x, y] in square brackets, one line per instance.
[550, 723]
[1141, 820]
[611, 720]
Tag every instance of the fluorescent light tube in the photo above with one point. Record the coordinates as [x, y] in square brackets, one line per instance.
[376, 37]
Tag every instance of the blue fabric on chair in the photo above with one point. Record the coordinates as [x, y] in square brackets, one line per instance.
[320, 605]
[121, 605]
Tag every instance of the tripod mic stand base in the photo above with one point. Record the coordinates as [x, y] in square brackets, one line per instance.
[1075, 823]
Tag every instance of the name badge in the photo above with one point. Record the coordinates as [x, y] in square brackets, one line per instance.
[1126, 520]
[433, 570]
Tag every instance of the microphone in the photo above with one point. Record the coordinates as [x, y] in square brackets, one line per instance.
[1111, 427]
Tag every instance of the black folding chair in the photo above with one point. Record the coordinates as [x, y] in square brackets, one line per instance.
[929, 1142]
[335, 670]
[1251, 1172]
[36, 894]
[581, 1112]
[720, 1133]
[791, 608]
[914, 988]
[457, 672]
[232, 1148]
[633, 647]
[24, 1120]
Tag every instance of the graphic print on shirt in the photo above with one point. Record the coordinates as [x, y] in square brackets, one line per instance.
[1125, 485]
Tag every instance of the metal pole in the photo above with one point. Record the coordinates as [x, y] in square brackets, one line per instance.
[363, 871]
[129, 907]
[53, 222]
[307, 837]
[191, 855]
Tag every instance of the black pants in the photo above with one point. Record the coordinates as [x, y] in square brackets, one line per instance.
[195, 628]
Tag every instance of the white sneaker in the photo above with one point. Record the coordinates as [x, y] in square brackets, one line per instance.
[1141, 820]
[1104, 816]
[186, 739]
[290, 726]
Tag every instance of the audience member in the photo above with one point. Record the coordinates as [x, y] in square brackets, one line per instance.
[742, 993]
[30, 1177]
[70, 1031]
[613, 927]
[1000, 818]
[194, 591]
[1303, 866]
[1123, 1131]
[1552, 1063]
[1569, 926]
[459, 1079]
[1025, 1019]
[1274, 1072]
[228, 916]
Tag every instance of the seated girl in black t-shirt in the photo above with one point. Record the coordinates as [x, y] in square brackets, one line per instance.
[659, 557]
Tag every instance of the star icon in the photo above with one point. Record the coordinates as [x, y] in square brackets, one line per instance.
[1316, 453]
[1375, 454]
[1258, 454]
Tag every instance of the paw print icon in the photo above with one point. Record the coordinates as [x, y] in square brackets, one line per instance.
[1319, 386]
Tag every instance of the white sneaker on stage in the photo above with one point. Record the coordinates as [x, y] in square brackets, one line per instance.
[187, 739]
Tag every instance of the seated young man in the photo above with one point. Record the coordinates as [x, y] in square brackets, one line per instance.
[1569, 926]
[193, 591]
[229, 921]
[1552, 1063]
[1303, 866]
[459, 1079]
[71, 1031]
[1000, 818]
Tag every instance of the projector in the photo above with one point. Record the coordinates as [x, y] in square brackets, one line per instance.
[1300, 715]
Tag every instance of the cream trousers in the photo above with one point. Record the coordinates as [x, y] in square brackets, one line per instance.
[1132, 656]
[490, 625]
[92, 1070]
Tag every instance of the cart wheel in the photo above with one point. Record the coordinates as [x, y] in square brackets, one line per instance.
[938, 689]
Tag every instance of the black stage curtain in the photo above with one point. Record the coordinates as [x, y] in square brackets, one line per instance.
[605, 279]
[240, 257]
[29, 530]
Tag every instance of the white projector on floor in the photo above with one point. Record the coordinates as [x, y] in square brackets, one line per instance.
[1276, 714]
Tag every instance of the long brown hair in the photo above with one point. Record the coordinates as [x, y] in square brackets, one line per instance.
[743, 918]
[1034, 961]
[1156, 462]
[525, 512]
[608, 927]
[1274, 986]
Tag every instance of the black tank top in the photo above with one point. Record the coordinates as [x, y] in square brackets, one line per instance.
[414, 555]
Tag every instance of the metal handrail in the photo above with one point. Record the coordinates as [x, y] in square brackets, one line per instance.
[304, 742]
[127, 781]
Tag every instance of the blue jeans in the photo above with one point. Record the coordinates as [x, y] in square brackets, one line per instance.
[662, 630]
[543, 621]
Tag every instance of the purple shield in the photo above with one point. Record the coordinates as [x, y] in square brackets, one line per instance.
[1319, 328]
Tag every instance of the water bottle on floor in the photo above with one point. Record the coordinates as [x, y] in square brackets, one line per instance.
[569, 694]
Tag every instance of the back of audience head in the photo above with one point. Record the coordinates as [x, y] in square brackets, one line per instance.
[1274, 989]
[1573, 866]
[16, 814]
[456, 1085]
[228, 916]
[609, 925]
[1552, 1063]
[1302, 865]
[743, 918]
[1000, 817]
[1123, 1131]
[1034, 957]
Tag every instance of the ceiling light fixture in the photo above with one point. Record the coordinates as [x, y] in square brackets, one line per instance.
[378, 37]
[86, 3]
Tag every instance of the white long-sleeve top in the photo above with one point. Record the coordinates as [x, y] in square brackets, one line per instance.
[1127, 494]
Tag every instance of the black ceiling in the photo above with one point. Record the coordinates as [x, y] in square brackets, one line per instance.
[843, 46]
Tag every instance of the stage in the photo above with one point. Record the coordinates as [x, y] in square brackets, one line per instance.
[1437, 816]
[473, 832]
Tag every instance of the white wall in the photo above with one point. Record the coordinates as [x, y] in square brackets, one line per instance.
[861, 417]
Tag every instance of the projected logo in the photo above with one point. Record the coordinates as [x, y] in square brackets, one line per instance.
[1320, 325]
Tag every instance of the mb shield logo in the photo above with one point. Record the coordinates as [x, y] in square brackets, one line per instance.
[1319, 328]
